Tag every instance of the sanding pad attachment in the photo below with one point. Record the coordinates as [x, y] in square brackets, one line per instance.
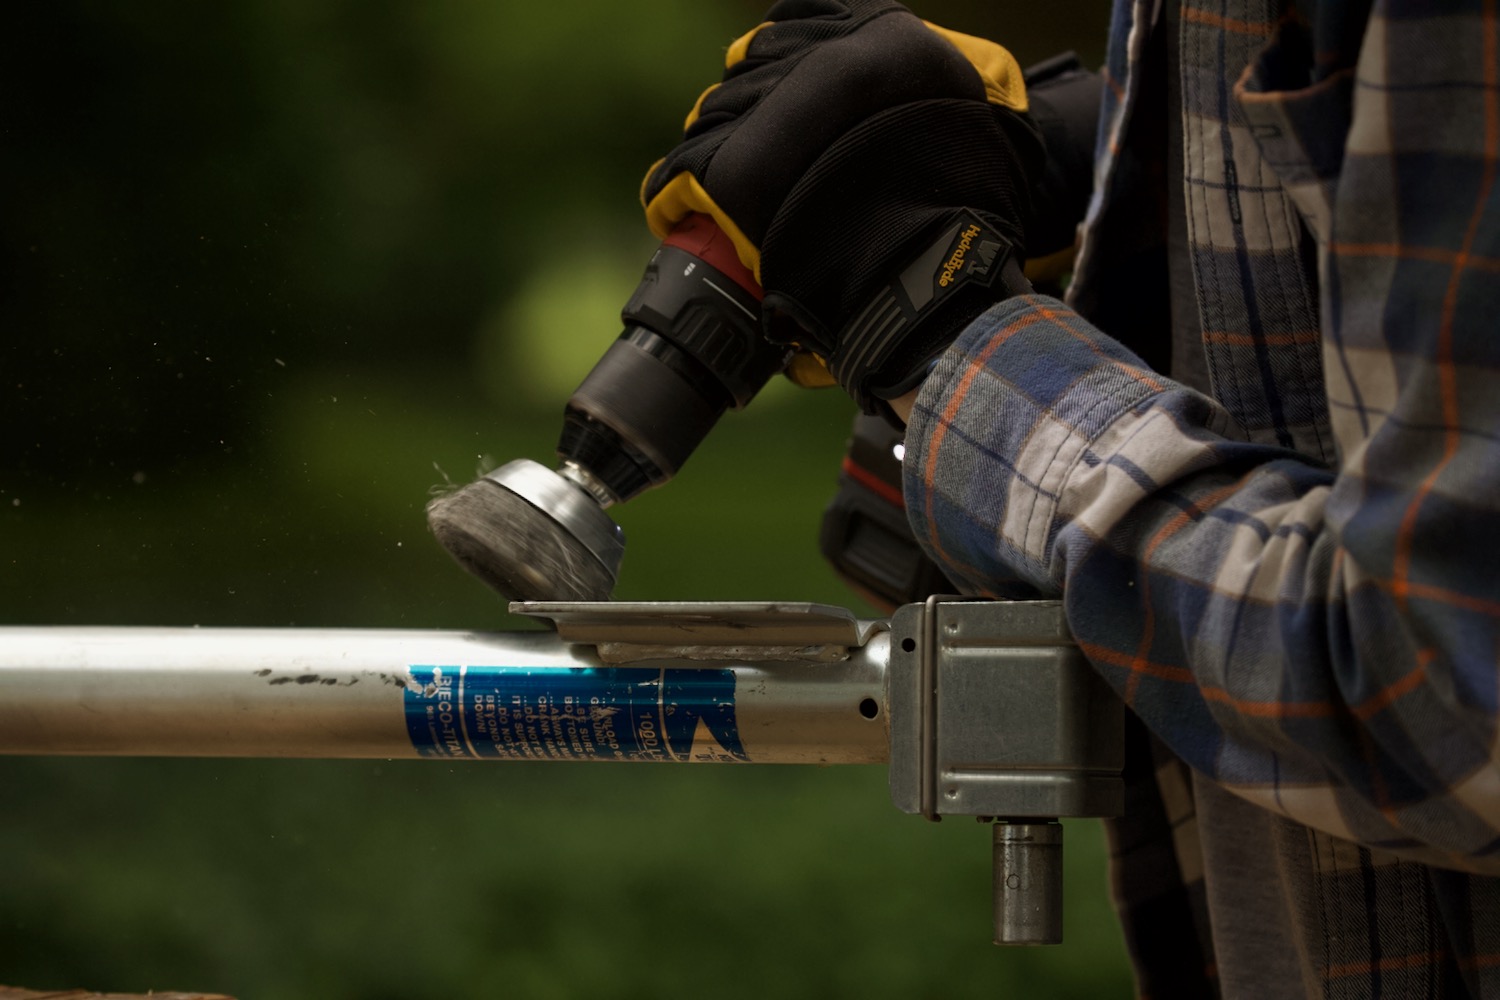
[530, 534]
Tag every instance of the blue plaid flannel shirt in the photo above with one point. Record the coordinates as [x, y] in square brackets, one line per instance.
[1294, 585]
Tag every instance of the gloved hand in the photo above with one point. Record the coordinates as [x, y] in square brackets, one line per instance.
[873, 171]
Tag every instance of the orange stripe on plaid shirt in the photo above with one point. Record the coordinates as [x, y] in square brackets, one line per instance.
[1443, 595]
[1266, 340]
[950, 411]
[976, 365]
[1418, 960]
[1141, 666]
[1239, 27]
[1447, 375]
[1176, 524]
[1436, 255]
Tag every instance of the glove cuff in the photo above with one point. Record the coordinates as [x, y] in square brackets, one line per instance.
[969, 266]
[897, 237]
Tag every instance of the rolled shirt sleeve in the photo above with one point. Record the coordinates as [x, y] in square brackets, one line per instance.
[1321, 641]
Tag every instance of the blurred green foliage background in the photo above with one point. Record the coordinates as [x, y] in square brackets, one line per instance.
[271, 271]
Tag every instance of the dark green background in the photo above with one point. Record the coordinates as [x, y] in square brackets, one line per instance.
[269, 273]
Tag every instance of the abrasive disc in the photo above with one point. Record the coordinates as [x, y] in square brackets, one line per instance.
[515, 547]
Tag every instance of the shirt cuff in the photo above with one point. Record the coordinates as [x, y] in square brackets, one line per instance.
[1010, 410]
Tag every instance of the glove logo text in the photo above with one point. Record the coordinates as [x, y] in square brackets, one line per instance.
[960, 252]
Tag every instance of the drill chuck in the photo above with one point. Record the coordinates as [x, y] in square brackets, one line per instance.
[692, 348]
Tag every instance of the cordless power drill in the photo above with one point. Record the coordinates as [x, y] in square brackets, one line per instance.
[692, 347]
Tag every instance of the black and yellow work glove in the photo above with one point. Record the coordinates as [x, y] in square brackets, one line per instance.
[873, 172]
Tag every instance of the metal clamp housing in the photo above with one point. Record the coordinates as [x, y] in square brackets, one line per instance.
[994, 712]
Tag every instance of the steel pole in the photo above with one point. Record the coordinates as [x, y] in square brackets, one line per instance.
[387, 693]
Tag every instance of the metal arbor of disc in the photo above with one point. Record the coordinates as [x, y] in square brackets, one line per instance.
[574, 511]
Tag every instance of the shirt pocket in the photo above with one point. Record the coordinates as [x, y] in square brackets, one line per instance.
[1299, 118]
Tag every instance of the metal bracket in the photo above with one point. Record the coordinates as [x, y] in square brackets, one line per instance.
[628, 632]
[994, 712]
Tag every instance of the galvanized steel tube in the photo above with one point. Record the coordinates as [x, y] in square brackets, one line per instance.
[387, 693]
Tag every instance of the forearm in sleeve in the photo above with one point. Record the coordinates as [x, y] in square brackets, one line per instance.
[1321, 641]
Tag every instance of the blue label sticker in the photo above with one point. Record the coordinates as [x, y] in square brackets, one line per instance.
[573, 713]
